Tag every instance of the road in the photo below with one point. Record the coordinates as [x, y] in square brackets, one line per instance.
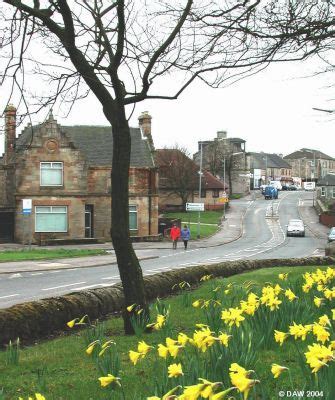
[263, 237]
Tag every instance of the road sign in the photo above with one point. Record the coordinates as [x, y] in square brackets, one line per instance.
[27, 206]
[224, 195]
[195, 207]
[223, 200]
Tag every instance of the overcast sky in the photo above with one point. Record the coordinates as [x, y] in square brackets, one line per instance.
[272, 111]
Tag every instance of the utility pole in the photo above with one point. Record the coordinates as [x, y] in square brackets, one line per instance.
[200, 175]
[224, 185]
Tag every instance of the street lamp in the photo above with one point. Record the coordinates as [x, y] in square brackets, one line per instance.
[200, 176]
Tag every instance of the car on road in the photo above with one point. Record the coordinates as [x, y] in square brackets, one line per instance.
[331, 235]
[292, 187]
[295, 227]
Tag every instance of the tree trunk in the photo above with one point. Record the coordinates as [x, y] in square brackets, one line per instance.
[128, 264]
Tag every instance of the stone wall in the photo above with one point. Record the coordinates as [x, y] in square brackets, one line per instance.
[39, 319]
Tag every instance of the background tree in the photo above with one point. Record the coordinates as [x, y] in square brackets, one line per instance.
[178, 174]
[120, 51]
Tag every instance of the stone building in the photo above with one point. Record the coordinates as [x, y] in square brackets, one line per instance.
[310, 164]
[266, 167]
[64, 172]
[226, 159]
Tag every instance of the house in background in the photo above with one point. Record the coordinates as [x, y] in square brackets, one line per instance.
[310, 164]
[266, 167]
[179, 182]
[226, 159]
[65, 171]
[325, 199]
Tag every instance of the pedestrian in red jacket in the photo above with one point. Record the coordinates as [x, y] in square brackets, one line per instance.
[175, 235]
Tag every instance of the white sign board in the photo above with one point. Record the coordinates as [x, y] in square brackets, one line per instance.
[27, 206]
[195, 207]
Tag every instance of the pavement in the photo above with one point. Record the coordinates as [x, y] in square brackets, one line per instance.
[231, 229]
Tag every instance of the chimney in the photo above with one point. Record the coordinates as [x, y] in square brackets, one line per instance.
[144, 121]
[10, 130]
[221, 135]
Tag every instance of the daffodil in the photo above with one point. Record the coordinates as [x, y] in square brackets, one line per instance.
[143, 347]
[131, 307]
[163, 351]
[182, 339]
[299, 330]
[322, 335]
[107, 380]
[224, 338]
[175, 370]
[318, 301]
[91, 346]
[290, 295]
[221, 395]
[281, 336]
[283, 276]
[72, 323]
[324, 320]
[277, 370]
[135, 356]
[239, 379]
[318, 355]
[39, 396]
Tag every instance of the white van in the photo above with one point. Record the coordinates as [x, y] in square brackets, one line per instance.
[276, 184]
[309, 185]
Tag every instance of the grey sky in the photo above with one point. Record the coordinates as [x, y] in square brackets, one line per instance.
[272, 111]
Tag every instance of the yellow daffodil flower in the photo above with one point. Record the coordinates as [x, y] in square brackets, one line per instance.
[318, 301]
[163, 351]
[322, 335]
[107, 380]
[280, 337]
[135, 356]
[143, 347]
[91, 346]
[39, 396]
[324, 320]
[224, 338]
[290, 295]
[277, 370]
[130, 308]
[283, 276]
[182, 339]
[318, 355]
[72, 323]
[299, 330]
[175, 370]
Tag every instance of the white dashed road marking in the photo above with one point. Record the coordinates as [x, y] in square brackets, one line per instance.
[63, 286]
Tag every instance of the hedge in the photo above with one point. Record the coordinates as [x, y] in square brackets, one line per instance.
[40, 319]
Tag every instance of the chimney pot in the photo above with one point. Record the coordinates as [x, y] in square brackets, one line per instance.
[144, 121]
[10, 130]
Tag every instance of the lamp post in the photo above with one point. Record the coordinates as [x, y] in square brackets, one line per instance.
[200, 175]
[224, 187]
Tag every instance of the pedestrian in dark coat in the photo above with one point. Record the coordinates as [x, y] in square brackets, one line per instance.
[185, 235]
[175, 235]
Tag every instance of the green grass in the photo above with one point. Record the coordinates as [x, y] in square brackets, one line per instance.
[45, 254]
[71, 375]
[206, 217]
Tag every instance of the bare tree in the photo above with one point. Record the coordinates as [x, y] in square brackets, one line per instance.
[121, 51]
[178, 174]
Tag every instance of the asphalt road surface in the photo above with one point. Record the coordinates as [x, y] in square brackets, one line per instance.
[264, 236]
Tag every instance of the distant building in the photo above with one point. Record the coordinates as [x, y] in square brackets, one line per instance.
[325, 199]
[226, 159]
[66, 173]
[266, 167]
[179, 182]
[310, 164]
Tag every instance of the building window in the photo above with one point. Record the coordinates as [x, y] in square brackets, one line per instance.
[51, 173]
[203, 193]
[133, 217]
[50, 219]
[323, 191]
[333, 192]
[216, 193]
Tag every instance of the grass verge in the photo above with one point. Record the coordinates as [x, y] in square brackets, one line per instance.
[46, 254]
[61, 370]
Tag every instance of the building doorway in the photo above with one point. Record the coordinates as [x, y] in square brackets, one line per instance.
[6, 226]
[89, 221]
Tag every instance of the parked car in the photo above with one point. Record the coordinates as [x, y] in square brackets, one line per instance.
[285, 187]
[295, 227]
[331, 235]
[270, 192]
[292, 187]
[276, 184]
